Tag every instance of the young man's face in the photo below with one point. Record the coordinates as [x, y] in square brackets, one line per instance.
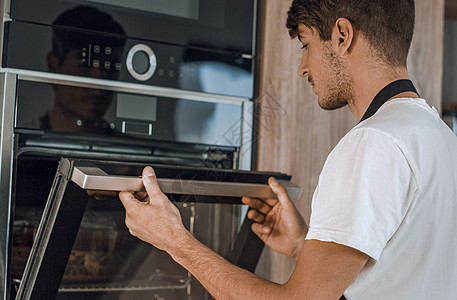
[326, 71]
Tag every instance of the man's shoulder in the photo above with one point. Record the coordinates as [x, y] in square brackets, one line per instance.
[401, 120]
[402, 113]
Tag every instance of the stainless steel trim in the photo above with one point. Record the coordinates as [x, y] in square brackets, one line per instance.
[42, 238]
[152, 62]
[6, 6]
[7, 101]
[120, 86]
[93, 178]
[247, 120]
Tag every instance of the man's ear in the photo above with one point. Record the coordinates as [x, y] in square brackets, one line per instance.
[342, 35]
[52, 62]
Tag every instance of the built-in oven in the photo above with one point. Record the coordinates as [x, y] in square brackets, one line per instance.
[91, 92]
[63, 240]
[82, 249]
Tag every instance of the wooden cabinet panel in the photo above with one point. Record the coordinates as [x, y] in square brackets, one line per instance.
[295, 134]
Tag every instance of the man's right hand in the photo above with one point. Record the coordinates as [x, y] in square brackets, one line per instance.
[277, 222]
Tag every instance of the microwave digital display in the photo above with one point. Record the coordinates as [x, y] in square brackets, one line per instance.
[136, 107]
[179, 8]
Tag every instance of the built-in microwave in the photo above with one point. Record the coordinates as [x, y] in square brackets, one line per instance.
[209, 24]
[197, 45]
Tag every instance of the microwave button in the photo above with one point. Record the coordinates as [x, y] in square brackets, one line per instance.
[141, 62]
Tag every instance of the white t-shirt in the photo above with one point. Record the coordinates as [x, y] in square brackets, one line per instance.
[389, 189]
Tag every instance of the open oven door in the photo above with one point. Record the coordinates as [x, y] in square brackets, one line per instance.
[103, 261]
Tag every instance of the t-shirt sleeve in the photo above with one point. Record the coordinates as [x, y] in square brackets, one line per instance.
[363, 194]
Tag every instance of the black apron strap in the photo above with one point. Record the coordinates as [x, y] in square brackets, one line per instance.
[392, 89]
[343, 298]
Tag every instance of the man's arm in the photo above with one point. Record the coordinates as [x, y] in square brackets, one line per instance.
[324, 270]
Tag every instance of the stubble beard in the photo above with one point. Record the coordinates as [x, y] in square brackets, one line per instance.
[339, 86]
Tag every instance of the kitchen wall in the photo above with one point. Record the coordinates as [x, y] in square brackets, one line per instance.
[294, 134]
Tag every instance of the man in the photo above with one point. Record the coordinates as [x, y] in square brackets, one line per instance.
[384, 212]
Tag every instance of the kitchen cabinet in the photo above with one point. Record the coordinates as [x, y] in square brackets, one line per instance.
[294, 135]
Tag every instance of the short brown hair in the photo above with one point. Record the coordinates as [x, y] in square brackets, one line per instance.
[388, 25]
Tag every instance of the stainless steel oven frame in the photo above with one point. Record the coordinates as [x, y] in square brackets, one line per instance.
[7, 88]
[7, 100]
[9, 78]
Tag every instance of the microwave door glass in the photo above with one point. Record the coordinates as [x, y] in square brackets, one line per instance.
[178, 8]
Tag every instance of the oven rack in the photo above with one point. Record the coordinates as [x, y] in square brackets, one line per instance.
[155, 282]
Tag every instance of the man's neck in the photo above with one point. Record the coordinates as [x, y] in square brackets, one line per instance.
[369, 82]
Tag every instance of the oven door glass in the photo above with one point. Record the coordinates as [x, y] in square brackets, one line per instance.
[226, 25]
[83, 250]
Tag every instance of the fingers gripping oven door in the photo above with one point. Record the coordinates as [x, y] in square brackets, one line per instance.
[83, 247]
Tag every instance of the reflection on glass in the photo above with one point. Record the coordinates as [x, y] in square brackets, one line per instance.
[79, 53]
[178, 8]
[135, 115]
[219, 123]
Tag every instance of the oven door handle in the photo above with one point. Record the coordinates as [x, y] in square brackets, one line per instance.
[93, 178]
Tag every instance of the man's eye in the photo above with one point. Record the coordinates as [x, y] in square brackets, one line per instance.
[304, 46]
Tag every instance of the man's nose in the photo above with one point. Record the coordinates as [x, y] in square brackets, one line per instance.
[303, 68]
